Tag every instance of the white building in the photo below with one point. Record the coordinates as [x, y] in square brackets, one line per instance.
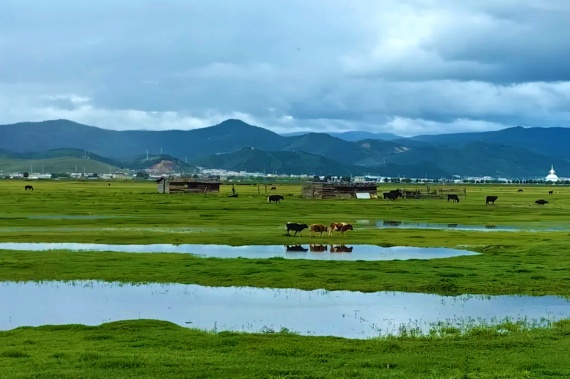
[552, 177]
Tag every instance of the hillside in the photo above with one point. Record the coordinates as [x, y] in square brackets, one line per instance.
[297, 162]
[513, 152]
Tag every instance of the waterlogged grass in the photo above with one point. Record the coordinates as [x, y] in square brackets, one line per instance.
[133, 212]
[154, 349]
[499, 270]
[524, 262]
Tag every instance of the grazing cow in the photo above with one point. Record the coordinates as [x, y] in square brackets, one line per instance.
[296, 227]
[341, 227]
[520, 190]
[296, 248]
[550, 192]
[541, 202]
[318, 248]
[273, 188]
[274, 198]
[341, 249]
[28, 187]
[317, 228]
[491, 199]
[453, 198]
[391, 195]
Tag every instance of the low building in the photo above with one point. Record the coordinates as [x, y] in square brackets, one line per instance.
[185, 185]
[338, 190]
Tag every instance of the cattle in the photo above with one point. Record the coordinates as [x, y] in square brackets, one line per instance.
[550, 192]
[491, 199]
[317, 228]
[491, 226]
[341, 227]
[341, 249]
[391, 195]
[274, 198]
[520, 190]
[541, 202]
[298, 248]
[318, 248]
[296, 227]
[28, 187]
[453, 197]
[273, 188]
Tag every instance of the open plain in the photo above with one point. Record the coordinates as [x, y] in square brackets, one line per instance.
[530, 258]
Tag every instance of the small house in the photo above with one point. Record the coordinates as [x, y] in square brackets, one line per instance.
[187, 185]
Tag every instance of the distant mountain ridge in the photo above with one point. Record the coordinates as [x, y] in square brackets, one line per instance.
[514, 152]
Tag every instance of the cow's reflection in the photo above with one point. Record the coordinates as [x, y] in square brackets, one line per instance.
[318, 248]
[340, 249]
[296, 248]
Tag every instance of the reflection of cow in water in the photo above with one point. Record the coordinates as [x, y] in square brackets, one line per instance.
[341, 249]
[274, 198]
[453, 197]
[298, 248]
[318, 248]
[28, 187]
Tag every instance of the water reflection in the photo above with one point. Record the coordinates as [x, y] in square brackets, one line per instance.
[337, 313]
[487, 227]
[298, 251]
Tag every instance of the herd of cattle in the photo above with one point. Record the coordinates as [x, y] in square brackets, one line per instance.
[314, 229]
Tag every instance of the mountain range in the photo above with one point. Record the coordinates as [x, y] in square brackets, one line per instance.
[236, 145]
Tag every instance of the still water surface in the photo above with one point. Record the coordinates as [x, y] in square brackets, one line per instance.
[303, 251]
[335, 313]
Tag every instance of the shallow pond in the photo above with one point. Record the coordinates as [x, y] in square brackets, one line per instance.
[302, 251]
[336, 313]
[382, 224]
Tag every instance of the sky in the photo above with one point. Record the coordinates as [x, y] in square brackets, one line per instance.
[405, 67]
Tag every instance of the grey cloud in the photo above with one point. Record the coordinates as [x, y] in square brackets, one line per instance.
[419, 67]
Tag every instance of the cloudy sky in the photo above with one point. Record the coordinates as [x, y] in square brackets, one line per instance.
[406, 67]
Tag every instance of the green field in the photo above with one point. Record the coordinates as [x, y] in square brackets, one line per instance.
[529, 261]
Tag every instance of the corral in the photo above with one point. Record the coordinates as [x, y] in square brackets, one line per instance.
[338, 190]
[181, 185]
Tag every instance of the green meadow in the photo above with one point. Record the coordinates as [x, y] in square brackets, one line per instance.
[531, 261]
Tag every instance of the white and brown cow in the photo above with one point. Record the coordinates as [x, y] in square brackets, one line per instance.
[341, 227]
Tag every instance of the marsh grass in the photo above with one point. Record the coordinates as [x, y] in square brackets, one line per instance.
[511, 262]
[151, 349]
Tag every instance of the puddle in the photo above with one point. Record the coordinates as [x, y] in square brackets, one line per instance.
[303, 251]
[324, 313]
[452, 226]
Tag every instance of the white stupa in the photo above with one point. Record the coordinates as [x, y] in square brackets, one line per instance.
[551, 177]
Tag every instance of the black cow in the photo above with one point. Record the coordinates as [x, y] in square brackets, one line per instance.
[274, 198]
[550, 192]
[296, 248]
[491, 199]
[541, 202]
[453, 197]
[29, 188]
[296, 227]
[273, 188]
[392, 195]
[520, 190]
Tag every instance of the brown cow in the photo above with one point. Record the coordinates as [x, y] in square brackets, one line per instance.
[341, 227]
[317, 228]
[318, 248]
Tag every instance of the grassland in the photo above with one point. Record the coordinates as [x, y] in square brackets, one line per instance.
[525, 262]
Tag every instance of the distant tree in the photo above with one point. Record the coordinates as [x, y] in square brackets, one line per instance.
[142, 175]
[26, 174]
[346, 178]
[406, 180]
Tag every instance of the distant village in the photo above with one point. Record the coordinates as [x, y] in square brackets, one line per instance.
[244, 176]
